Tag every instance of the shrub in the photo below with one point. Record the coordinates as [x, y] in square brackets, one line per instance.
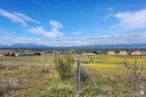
[64, 65]
[8, 85]
[135, 71]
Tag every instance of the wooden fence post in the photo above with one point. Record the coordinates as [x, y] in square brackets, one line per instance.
[78, 77]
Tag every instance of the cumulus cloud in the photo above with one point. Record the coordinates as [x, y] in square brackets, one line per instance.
[131, 20]
[53, 33]
[18, 17]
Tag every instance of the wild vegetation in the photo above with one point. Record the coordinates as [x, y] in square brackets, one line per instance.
[64, 65]
[40, 76]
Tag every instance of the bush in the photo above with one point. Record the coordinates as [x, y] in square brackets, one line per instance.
[8, 85]
[135, 72]
[64, 65]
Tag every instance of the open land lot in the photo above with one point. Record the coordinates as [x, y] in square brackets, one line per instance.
[36, 77]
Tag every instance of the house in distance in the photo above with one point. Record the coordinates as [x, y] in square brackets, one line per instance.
[111, 52]
[122, 52]
[137, 52]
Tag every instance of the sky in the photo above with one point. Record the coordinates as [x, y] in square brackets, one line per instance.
[72, 22]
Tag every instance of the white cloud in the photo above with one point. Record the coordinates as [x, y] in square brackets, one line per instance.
[132, 20]
[77, 32]
[38, 30]
[78, 41]
[26, 18]
[17, 17]
[108, 39]
[55, 25]
[54, 33]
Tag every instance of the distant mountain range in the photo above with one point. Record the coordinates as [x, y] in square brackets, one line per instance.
[37, 46]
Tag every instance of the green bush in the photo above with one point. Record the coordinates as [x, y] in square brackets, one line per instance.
[64, 65]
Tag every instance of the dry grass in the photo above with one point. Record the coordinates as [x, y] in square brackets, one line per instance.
[12, 67]
[44, 70]
[41, 80]
[2, 66]
[8, 84]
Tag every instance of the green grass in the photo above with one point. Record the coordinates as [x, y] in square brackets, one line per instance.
[104, 70]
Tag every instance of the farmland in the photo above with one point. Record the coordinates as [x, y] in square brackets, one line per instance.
[36, 76]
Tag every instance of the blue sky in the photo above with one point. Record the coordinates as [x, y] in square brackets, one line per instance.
[72, 22]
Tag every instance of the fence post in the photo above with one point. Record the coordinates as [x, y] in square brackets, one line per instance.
[78, 77]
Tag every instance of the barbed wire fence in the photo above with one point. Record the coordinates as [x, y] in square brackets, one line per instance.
[84, 75]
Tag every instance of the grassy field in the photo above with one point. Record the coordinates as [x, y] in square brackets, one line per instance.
[37, 77]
